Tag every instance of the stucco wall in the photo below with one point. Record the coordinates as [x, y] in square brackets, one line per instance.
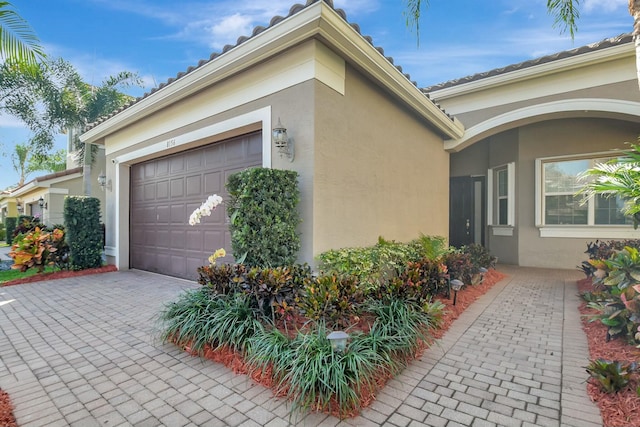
[523, 146]
[378, 170]
[557, 138]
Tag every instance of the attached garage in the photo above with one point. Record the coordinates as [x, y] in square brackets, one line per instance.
[164, 192]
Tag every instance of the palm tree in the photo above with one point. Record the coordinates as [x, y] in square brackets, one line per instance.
[617, 178]
[565, 12]
[18, 43]
[19, 159]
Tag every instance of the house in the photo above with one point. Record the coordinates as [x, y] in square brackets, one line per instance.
[367, 142]
[375, 154]
[44, 195]
[531, 128]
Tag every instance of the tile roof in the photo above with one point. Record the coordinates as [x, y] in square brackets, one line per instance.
[604, 44]
[47, 177]
[296, 8]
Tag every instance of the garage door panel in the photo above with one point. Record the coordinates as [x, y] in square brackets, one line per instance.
[149, 170]
[177, 188]
[163, 241]
[162, 190]
[178, 213]
[194, 161]
[194, 186]
[176, 163]
[150, 191]
[194, 241]
[213, 183]
[161, 203]
[177, 239]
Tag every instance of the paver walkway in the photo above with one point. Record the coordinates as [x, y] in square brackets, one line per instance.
[82, 352]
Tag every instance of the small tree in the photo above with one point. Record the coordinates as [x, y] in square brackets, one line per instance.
[619, 177]
[84, 231]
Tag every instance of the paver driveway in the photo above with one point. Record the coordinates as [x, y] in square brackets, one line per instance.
[83, 352]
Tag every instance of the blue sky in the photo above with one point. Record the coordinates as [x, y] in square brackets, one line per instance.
[159, 38]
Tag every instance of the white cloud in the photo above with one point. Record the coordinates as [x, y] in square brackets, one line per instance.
[604, 5]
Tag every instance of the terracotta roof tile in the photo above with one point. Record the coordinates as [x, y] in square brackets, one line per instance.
[614, 41]
[257, 30]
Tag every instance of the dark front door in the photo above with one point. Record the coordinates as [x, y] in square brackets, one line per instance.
[466, 210]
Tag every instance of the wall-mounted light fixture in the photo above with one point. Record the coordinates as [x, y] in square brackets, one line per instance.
[102, 180]
[282, 142]
[19, 206]
[42, 203]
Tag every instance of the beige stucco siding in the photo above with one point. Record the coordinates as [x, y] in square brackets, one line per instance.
[378, 170]
[559, 138]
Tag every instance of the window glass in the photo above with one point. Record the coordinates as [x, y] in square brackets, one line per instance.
[562, 206]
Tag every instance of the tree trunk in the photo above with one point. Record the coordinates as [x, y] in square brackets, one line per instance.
[634, 10]
[86, 169]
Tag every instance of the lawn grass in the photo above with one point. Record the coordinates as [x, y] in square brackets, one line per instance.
[7, 275]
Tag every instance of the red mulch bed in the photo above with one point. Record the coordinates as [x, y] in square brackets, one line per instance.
[6, 411]
[62, 274]
[620, 409]
[466, 297]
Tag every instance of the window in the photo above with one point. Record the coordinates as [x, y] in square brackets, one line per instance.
[558, 204]
[501, 195]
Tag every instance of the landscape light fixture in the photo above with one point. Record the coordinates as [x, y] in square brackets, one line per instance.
[282, 142]
[456, 285]
[338, 340]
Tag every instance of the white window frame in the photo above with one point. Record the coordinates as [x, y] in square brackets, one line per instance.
[492, 197]
[589, 231]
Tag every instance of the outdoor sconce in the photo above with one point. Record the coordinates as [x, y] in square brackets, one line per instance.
[338, 340]
[456, 285]
[282, 142]
[19, 207]
[102, 180]
[42, 203]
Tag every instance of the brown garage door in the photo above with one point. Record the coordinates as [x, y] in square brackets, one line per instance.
[165, 191]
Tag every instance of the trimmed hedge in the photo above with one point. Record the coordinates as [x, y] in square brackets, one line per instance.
[10, 225]
[264, 216]
[84, 231]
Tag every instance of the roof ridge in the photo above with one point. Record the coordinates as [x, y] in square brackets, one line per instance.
[592, 47]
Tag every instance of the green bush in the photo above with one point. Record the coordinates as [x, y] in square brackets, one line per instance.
[84, 232]
[333, 299]
[263, 211]
[10, 226]
[3, 233]
[271, 292]
[375, 266]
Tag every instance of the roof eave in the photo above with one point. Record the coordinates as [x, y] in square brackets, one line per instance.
[536, 71]
[317, 20]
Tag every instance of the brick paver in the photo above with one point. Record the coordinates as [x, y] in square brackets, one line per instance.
[84, 351]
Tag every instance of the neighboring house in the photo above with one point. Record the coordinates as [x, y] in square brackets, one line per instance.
[44, 196]
[368, 145]
[531, 128]
[372, 149]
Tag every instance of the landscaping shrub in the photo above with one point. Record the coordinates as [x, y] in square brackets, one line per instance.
[376, 265]
[479, 256]
[602, 250]
[272, 292]
[3, 233]
[416, 284]
[263, 211]
[35, 249]
[201, 317]
[10, 226]
[84, 232]
[459, 266]
[25, 224]
[331, 298]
